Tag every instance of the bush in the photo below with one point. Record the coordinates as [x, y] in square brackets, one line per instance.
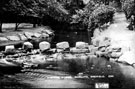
[94, 15]
[128, 8]
[101, 15]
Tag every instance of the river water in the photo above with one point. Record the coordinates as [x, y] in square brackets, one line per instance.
[115, 75]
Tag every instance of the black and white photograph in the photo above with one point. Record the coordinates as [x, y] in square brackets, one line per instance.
[67, 44]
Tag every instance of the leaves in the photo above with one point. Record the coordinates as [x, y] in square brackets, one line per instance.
[128, 8]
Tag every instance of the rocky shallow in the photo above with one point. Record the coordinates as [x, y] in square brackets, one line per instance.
[83, 66]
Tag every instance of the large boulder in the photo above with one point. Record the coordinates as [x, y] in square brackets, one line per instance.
[81, 45]
[10, 49]
[27, 46]
[43, 46]
[62, 45]
[3, 39]
[22, 37]
[13, 38]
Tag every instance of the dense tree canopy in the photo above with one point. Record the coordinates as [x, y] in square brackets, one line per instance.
[129, 8]
[67, 11]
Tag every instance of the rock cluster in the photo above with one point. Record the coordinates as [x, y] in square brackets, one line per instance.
[81, 53]
[104, 48]
[41, 35]
[116, 49]
[29, 56]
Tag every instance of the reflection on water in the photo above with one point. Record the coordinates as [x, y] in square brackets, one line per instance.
[98, 71]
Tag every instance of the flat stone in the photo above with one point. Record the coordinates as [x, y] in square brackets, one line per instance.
[62, 45]
[59, 50]
[29, 35]
[49, 32]
[43, 46]
[75, 50]
[45, 35]
[81, 45]
[3, 39]
[22, 37]
[13, 38]
[37, 34]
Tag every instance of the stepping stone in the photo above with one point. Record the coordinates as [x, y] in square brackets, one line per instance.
[81, 45]
[43, 46]
[62, 45]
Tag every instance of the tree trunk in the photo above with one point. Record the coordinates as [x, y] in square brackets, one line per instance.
[0, 26]
[16, 26]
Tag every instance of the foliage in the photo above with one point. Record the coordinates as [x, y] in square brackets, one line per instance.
[103, 14]
[72, 12]
[82, 15]
[55, 10]
[38, 8]
[128, 8]
[72, 5]
[94, 15]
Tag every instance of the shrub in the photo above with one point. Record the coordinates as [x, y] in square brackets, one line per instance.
[128, 8]
[101, 15]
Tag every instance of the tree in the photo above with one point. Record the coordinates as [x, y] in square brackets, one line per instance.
[94, 15]
[129, 8]
[24, 8]
[2, 11]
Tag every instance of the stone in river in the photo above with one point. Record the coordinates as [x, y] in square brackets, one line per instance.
[43, 46]
[81, 45]
[62, 45]
[27, 46]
